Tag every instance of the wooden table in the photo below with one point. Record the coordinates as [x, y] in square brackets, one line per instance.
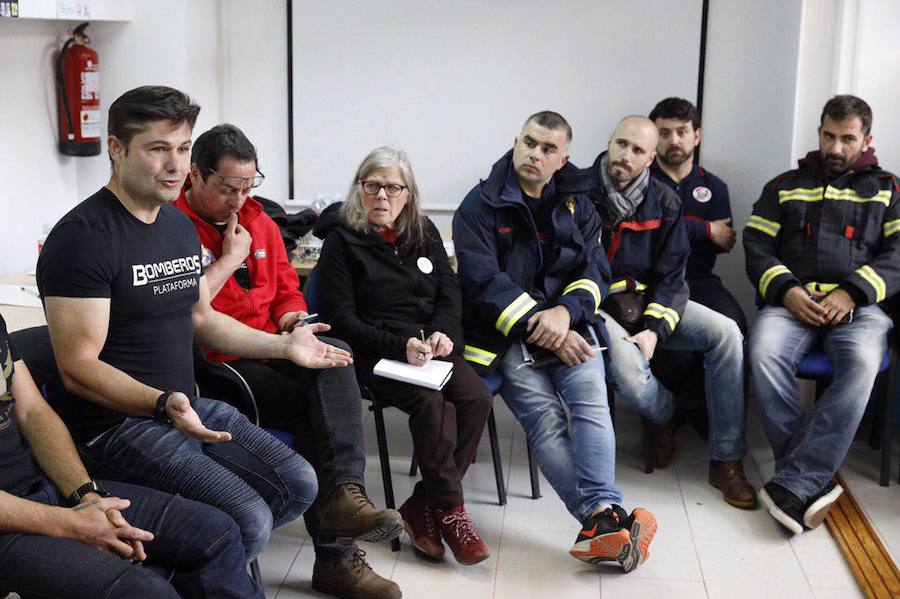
[21, 317]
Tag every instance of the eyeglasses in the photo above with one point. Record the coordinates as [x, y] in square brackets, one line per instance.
[392, 190]
[239, 184]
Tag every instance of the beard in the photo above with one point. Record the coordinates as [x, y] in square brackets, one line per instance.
[835, 164]
[675, 158]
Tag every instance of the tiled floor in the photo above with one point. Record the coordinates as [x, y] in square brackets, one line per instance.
[704, 547]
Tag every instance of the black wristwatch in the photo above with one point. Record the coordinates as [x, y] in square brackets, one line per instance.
[92, 486]
[159, 412]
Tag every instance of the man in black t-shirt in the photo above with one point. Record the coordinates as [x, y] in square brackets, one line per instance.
[125, 296]
[109, 529]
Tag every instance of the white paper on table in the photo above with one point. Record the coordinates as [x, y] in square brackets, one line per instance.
[433, 375]
[12, 294]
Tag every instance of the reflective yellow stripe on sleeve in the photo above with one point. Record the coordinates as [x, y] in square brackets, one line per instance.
[766, 278]
[800, 195]
[656, 310]
[850, 195]
[623, 285]
[823, 287]
[891, 227]
[769, 227]
[874, 279]
[478, 355]
[514, 311]
[589, 286]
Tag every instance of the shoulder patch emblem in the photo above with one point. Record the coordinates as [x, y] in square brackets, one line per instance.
[702, 194]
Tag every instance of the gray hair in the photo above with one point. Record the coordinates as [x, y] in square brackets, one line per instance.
[410, 223]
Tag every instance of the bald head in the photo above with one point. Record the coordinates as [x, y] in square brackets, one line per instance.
[632, 147]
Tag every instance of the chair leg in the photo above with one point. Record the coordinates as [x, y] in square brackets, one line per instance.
[385, 464]
[533, 471]
[887, 426]
[495, 455]
[254, 572]
[413, 465]
[647, 440]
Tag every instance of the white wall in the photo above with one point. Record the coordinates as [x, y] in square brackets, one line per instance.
[171, 42]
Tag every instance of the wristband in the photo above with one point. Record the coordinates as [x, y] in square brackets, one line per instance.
[159, 412]
[92, 486]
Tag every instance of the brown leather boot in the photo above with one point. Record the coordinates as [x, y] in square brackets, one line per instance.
[352, 578]
[729, 478]
[349, 514]
[663, 443]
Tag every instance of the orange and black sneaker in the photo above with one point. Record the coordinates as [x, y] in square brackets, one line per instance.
[604, 537]
[642, 528]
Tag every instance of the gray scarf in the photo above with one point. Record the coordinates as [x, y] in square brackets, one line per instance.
[622, 204]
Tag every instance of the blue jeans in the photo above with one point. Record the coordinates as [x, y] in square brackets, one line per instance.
[254, 478]
[719, 339]
[809, 448]
[579, 460]
[199, 543]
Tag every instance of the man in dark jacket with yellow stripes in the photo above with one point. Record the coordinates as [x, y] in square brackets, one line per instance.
[822, 247]
[533, 277]
[648, 307]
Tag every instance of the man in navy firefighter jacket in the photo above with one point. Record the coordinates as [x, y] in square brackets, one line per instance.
[706, 213]
[533, 275]
[823, 248]
[647, 247]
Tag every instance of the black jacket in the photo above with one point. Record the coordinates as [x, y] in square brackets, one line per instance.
[376, 295]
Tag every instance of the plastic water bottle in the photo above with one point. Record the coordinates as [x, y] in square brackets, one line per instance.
[336, 198]
[319, 204]
[45, 231]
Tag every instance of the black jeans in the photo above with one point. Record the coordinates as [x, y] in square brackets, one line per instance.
[200, 543]
[681, 372]
[323, 409]
[446, 427]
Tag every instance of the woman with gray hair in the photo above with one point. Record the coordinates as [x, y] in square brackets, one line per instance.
[388, 290]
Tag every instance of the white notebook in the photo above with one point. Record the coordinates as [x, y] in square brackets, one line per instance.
[434, 375]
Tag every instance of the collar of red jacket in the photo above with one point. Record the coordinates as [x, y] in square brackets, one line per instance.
[249, 211]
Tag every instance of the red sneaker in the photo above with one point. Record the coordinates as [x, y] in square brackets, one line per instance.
[420, 523]
[458, 530]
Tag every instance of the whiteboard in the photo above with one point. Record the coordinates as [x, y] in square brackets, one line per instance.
[452, 82]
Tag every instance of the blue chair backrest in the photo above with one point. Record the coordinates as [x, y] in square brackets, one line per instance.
[312, 292]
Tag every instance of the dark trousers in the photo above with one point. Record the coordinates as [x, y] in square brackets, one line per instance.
[323, 409]
[681, 372]
[201, 544]
[446, 426]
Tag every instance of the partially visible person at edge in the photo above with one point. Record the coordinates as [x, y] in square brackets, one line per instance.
[252, 280]
[389, 292]
[533, 274]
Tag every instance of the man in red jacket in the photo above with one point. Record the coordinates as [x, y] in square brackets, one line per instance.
[252, 280]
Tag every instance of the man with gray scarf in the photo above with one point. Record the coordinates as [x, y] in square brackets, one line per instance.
[647, 247]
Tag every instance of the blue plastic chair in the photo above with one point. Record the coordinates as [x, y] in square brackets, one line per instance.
[816, 366]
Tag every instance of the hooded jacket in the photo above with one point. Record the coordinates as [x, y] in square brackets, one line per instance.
[810, 229]
[648, 252]
[274, 285]
[504, 274]
[376, 295]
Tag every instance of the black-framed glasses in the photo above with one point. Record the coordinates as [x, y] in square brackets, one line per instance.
[392, 190]
[239, 184]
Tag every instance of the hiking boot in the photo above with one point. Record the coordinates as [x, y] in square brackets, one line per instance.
[820, 504]
[349, 515]
[352, 578]
[663, 443]
[458, 530]
[605, 537]
[729, 478]
[419, 521]
[784, 506]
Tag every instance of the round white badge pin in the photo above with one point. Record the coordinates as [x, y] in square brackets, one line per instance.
[425, 265]
[702, 194]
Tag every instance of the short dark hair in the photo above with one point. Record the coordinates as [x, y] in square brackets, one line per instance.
[842, 107]
[133, 110]
[220, 141]
[551, 120]
[676, 108]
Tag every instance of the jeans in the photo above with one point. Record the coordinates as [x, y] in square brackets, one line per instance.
[254, 478]
[579, 460]
[200, 543]
[720, 340]
[809, 448]
[323, 409]
[446, 427]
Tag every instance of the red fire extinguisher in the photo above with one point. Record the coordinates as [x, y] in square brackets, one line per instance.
[78, 96]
